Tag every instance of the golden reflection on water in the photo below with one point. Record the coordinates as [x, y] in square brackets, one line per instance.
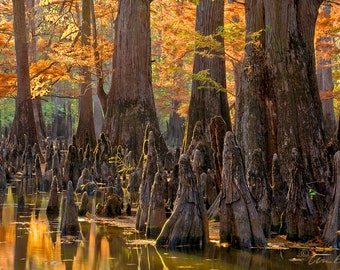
[30, 240]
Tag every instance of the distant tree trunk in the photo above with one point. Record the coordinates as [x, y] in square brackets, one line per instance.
[85, 131]
[325, 80]
[278, 104]
[175, 129]
[131, 103]
[206, 99]
[99, 72]
[23, 122]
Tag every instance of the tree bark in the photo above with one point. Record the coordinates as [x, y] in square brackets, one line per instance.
[278, 106]
[239, 221]
[279, 205]
[188, 223]
[98, 65]
[23, 122]
[330, 234]
[146, 184]
[175, 127]
[301, 216]
[206, 99]
[218, 129]
[32, 43]
[156, 210]
[85, 131]
[260, 190]
[131, 103]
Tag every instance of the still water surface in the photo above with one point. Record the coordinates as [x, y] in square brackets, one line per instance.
[29, 240]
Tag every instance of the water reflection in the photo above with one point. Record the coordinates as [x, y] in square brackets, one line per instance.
[30, 240]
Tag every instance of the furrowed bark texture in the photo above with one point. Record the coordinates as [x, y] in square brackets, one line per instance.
[239, 221]
[278, 104]
[206, 99]
[188, 223]
[330, 234]
[148, 176]
[131, 103]
[23, 123]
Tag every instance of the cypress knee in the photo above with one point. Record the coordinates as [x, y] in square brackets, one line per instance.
[188, 224]
[239, 221]
[301, 215]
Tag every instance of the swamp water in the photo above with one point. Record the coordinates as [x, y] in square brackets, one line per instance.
[29, 240]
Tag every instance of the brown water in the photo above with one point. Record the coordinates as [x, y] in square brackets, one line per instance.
[29, 240]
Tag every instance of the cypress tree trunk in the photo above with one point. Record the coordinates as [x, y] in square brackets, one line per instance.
[131, 103]
[278, 104]
[85, 131]
[23, 122]
[207, 100]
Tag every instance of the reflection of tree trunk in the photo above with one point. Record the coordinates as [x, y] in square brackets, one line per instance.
[23, 217]
[2, 200]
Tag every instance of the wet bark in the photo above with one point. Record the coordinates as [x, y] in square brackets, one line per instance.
[188, 223]
[239, 221]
